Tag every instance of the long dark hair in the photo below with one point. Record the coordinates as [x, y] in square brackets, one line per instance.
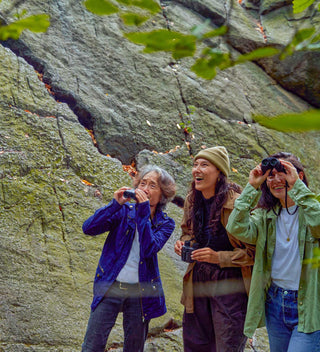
[267, 200]
[195, 198]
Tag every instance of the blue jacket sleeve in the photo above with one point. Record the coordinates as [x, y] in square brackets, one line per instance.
[102, 220]
[152, 238]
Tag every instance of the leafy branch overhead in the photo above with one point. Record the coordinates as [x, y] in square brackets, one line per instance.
[210, 60]
[131, 17]
[301, 5]
[35, 23]
[299, 122]
[180, 45]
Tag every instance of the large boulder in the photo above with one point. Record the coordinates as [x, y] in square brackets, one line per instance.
[278, 24]
[79, 101]
[52, 178]
[132, 101]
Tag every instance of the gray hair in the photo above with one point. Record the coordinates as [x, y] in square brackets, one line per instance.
[166, 183]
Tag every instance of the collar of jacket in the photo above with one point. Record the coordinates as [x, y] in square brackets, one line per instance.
[273, 214]
[232, 196]
[157, 220]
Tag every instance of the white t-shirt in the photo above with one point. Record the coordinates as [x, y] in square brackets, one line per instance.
[130, 272]
[286, 263]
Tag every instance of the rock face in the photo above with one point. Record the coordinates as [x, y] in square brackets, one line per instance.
[83, 75]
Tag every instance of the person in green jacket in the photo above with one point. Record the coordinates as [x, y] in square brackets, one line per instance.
[279, 214]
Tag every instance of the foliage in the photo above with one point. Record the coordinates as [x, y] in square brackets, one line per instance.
[304, 39]
[34, 23]
[101, 7]
[299, 122]
[301, 5]
[187, 126]
[181, 45]
[133, 19]
[106, 7]
[211, 60]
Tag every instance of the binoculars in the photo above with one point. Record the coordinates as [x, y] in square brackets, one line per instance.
[129, 193]
[272, 163]
[186, 252]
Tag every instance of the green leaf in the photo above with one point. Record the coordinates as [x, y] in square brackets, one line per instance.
[101, 7]
[302, 35]
[179, 44]
[192, 109]
[133, 19]
[298, 38]
[21, 14]
[315, 38]
[35, 23]
[125, 2]
[301, 5]
[294, 122]
[313, 44]
[216, 32]
[257, 54]
[184, 47]
[198, 31]
[206, 67]
[150, 5]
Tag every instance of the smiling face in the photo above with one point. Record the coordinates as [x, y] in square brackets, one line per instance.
[150, 185]
[277, 186]
[205, 176]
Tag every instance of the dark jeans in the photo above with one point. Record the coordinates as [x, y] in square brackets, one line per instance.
[219, 312]
[282, 323]
[119, 298]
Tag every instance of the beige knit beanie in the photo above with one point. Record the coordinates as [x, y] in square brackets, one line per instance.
[217, 156]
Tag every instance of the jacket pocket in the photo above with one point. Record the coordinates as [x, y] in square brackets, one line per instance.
[152, 288]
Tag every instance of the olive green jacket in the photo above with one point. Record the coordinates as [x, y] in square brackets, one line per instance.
[259, 227]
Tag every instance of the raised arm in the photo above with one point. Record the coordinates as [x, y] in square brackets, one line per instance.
[152, 237]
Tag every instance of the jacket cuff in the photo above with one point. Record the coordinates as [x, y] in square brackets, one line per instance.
[143, 209]
[299, 191]
[225, 259]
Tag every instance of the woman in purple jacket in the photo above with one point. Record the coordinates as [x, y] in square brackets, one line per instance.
[127, 278]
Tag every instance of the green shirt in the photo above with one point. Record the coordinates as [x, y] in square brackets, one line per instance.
[259, 228]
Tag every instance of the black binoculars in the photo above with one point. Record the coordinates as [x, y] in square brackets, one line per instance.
[129, 193]
[187, 250]
[272, 163]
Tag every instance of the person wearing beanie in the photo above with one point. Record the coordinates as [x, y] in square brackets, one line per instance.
[217, 156]
[217, 279]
